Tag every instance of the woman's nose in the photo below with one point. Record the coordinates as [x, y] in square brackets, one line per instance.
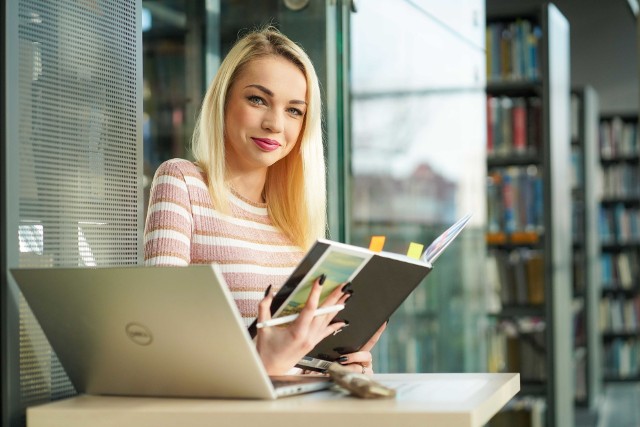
[273, 121]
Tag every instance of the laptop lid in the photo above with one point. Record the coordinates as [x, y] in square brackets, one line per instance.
[148, 331]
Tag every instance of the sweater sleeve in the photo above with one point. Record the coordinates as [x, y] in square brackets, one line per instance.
[168, 228]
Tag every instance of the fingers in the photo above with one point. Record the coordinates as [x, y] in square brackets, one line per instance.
[264, 307]
[333, 328]
[360, 362]
[374, 339]
[307, 313]
[339, 295]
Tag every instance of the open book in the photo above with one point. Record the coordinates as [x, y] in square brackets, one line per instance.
[381, 281]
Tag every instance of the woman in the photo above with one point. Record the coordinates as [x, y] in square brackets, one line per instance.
[254, 201]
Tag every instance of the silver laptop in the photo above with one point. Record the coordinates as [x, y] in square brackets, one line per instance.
[151, 331]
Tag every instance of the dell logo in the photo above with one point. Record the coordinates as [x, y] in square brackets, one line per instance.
[138, 333]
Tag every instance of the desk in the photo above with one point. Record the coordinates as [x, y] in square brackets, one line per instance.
[432, 400]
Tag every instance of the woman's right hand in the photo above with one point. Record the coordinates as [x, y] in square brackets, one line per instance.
[281, 347]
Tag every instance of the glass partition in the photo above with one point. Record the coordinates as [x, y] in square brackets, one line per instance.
[418, 165]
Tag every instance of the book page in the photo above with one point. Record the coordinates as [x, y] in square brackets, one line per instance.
[442, 241]
[338, 264]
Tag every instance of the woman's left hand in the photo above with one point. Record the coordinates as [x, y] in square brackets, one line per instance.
[362, 361]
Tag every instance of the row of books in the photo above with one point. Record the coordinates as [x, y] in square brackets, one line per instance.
[514, 197]
[577, 220]
[580, 373]
[621, 180]
[514, 125]
[620, 358]
[620, 270]
[576, 167]
[619, 224]
[519, 346]
[522, 412]
[620, 315]
[518, 276]
[618, 138]
[579, 324]
[513, 50]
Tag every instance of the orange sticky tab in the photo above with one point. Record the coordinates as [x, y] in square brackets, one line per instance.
[377, 243]
[415, 250]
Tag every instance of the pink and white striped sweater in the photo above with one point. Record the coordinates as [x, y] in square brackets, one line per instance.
[182, 228]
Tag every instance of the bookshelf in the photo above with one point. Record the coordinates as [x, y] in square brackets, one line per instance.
[173, 51]
[619, 225]
[586, 171]
[529, 210]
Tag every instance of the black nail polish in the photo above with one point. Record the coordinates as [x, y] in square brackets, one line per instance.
[267, 291]
[342, 359]
[347, 288]
[322, 279]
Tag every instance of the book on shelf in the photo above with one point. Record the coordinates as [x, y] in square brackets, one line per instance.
[619, 270]
[620, 315]
[621, 180]
[515, 200]
[512, 50]
[518, 345]
[519, 276]
[619, 223]
[522, 412]
[381, 281]
[513, 126]
[618, 138]
[621, 359]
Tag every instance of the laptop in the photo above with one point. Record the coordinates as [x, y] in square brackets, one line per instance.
[152, 331]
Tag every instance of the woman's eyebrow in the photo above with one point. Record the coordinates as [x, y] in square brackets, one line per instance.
[270, 93]
[261, 88]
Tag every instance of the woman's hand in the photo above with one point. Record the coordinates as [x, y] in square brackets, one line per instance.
[362, 361]
[281, 347]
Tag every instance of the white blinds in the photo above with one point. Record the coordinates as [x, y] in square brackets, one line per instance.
[80, 152]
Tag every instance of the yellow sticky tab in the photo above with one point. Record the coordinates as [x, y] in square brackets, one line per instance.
[377, 243]
[415, 250]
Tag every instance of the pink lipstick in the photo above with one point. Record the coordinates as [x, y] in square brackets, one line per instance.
[266, 144]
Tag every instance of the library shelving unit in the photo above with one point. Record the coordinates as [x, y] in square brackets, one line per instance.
[620, 236]
[529, 210]
[586, 245]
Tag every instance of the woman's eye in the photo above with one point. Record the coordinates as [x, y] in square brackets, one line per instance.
[254, 99]
[295, 112]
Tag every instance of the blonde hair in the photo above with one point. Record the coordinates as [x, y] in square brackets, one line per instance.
[295, 187]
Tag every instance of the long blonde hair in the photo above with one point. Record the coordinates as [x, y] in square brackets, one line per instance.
[295, 187]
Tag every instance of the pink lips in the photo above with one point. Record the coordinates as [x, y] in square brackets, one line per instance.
[266, 144]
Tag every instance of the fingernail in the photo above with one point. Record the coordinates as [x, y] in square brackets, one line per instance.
[348, 298]
[267, 291]
[322, 279]
[342, 359]
[347, 288]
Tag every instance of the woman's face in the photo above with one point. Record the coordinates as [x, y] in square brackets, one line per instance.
[264, 113]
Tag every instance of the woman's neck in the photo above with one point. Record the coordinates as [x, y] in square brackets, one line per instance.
[249, 185]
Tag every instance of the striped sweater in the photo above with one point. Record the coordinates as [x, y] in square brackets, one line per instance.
[182, 228]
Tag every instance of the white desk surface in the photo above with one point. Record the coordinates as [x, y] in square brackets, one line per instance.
[431, 400]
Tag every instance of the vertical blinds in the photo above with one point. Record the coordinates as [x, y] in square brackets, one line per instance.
[80, 153]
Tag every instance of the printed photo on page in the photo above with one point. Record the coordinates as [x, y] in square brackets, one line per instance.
[339, 265]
